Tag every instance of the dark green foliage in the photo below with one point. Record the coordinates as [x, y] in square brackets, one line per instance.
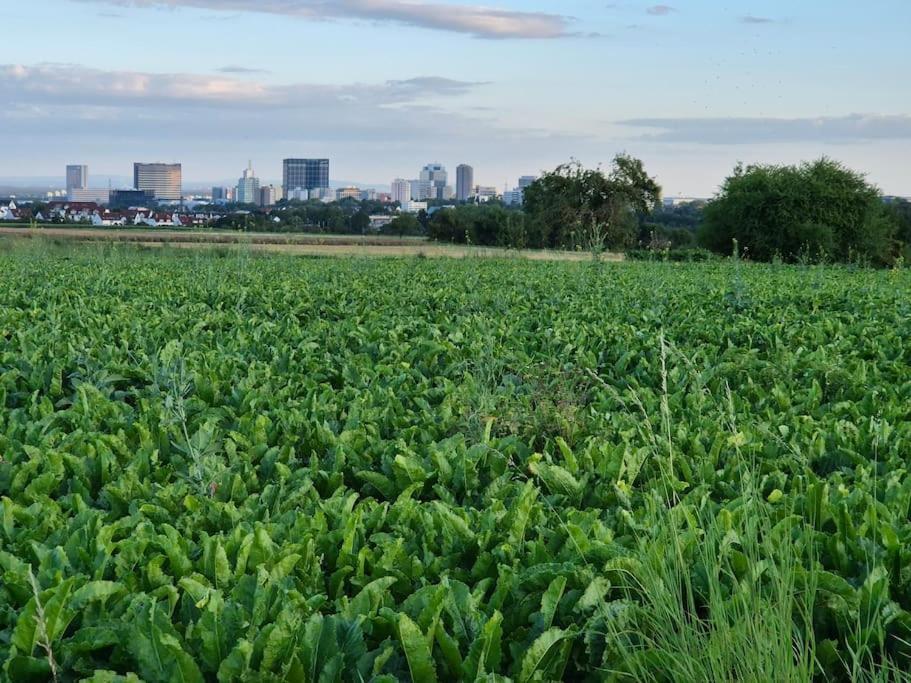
[574, 207]
[488, 225]
[278, 469]
[690, 255]
[403, 224]
[817, 211]
[900, 210]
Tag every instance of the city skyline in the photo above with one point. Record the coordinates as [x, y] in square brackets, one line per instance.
[517, 87]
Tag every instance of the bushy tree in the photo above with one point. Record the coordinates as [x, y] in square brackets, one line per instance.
[573, 207]
[489, 225]
[403, 224]
[900, 210]
[817, 210]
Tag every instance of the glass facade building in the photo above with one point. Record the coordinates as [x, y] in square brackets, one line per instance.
[165, 180]
[306, 174]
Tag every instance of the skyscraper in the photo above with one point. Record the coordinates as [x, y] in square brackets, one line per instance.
[269, 195]
[77, 178]
[401, 191]
[248, 187]
[526, 180]
[165, 180]
[436, 175]
[306, 174]
[464, 182]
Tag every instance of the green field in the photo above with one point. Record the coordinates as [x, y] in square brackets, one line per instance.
[238, 467]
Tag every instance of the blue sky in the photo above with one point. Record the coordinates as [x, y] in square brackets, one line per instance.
[511, 87]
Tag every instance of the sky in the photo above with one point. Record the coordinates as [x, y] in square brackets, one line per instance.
[511, 87]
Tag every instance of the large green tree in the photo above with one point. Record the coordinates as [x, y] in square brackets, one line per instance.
[575, 207]
[817, 210]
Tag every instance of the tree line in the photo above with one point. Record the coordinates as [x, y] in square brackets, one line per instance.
[816, 211]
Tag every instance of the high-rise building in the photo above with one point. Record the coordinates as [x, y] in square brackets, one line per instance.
[165, 180]
[269, 195]
[526, 180]
[77, 177]
[306, 174]
[464, 182]
[219, 195]
[247, 187]
[435, 174]
[421, 189]
[401, 191]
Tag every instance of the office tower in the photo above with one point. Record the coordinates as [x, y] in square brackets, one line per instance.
[435, 174]
[269, 195]
[219, 195]
[77, 177]
[464, 181]
[165, 180]
[526, 180]
[306, 174]
[247, 187]
[401, 191]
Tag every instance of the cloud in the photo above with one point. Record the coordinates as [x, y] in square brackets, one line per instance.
[751, 19]
[475, 20]
[81, 107]
[660, 10]
[231, 69]
[433, 84]
[67, 84]
[737, 131]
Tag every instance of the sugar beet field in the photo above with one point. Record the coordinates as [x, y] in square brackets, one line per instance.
[231, 467]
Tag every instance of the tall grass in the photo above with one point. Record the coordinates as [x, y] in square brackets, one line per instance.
[714, 593]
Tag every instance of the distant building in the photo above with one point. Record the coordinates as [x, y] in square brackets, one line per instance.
[513, 197]
[377, 222]
[77, 177]
[323, 194]
[99, 196]
[269, 195]
[299, 194]
[421, 190]
[435, 174]
[464, 182]
[526, 180]
[165, 180]
[401, 191]
[368, 195]
[347, 193]
[247, 191]
[485, 192]
[414, 207]
[221, 195]
[671, 202]
[124, 199]
[306, 174]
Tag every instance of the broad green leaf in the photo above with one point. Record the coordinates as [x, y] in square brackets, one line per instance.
[417, 651]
